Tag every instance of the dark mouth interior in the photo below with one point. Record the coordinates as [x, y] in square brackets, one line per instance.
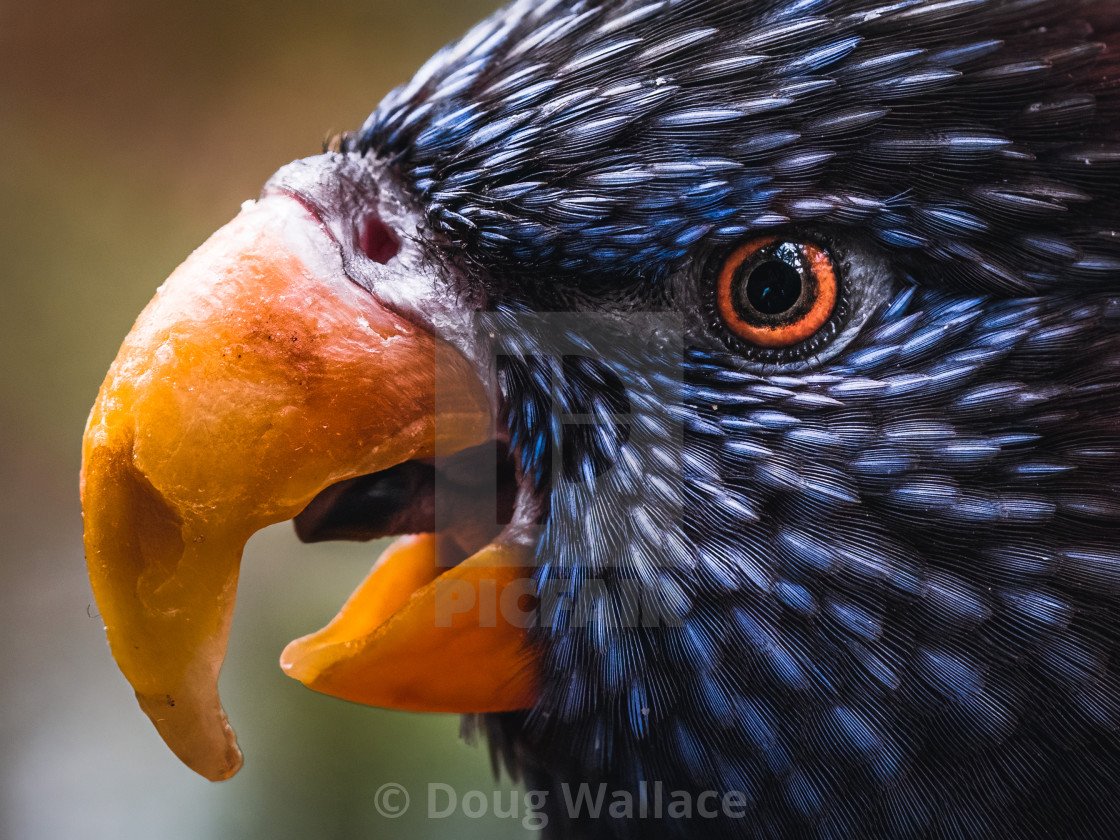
[468, 496]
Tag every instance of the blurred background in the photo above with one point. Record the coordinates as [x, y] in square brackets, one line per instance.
[129, 131]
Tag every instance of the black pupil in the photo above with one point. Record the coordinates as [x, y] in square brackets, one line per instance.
[773, 287]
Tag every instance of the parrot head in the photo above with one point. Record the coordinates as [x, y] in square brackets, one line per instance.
[741, 381]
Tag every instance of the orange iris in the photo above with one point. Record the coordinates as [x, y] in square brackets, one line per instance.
[776, 293]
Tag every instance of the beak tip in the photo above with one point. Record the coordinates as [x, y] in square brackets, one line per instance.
[297, 661]
[221, 770]
[218, 764]
[202, 740]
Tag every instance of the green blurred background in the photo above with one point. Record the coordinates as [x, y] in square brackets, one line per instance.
[129, 131]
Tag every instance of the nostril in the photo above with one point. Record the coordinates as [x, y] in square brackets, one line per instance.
[377, 241]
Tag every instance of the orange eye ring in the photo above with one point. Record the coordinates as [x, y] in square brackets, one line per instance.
[776, 293]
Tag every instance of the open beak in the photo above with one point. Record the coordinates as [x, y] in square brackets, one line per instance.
[258, 377]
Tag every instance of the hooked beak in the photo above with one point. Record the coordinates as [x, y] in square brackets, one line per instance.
[259, 376]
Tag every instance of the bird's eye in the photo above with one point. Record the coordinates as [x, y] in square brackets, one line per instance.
[792, 299]
[776, 293]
